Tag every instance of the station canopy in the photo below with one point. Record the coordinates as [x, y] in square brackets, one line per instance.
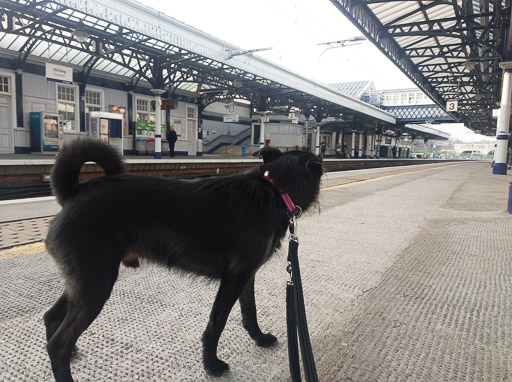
[450, 49]
[136, 45]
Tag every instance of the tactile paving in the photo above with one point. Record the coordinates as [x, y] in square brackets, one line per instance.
[23, 232]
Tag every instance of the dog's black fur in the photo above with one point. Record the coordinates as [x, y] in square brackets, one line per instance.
[221, 227]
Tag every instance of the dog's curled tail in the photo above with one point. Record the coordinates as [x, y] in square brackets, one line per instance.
[65, 173]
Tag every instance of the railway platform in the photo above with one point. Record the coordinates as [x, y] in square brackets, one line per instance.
[406, 274]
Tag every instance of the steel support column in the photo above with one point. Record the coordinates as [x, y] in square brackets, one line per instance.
[19, 98]
[158, 122]
[81, 106]
[262, 131]
[502, 129]
[353, 148]
[129, 118]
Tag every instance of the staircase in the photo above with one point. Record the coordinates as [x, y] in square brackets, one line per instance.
[228, 144]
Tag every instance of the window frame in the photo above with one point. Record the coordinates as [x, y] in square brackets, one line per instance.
[90, 107]
[150, 112]
[7, 84]
[74, 103]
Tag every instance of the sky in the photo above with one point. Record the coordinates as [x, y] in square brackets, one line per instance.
[294, 29]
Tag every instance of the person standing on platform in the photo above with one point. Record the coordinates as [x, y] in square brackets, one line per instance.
[172, 137]
[323, 147]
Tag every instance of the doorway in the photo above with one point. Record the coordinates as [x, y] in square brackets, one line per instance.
[6, 132]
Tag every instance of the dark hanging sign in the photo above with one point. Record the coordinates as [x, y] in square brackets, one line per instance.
[169, 103]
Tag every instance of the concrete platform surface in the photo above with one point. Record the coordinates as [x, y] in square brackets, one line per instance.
[407, 277]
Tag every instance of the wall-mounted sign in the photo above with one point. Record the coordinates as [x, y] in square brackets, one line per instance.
[294, 117]
[231, 118]
[59, 73]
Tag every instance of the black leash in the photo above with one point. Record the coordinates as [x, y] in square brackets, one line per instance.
[295, 310]
[296, 314]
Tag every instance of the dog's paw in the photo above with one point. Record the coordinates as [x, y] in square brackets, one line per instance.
[266, 340]
[74, 352]
[216, 367]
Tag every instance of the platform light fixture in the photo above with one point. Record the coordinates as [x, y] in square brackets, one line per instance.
[233, 53]
[470, 64]
[81, 35]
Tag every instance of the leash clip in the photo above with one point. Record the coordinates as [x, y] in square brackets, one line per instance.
[293, 229]
[289, 270]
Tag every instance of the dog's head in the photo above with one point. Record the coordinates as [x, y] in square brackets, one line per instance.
[296, 172]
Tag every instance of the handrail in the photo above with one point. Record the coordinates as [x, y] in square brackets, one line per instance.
[235, 137]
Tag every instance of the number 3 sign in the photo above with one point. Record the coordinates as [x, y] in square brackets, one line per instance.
[452, 105]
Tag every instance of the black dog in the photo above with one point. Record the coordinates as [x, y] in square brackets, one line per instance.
[221, 227]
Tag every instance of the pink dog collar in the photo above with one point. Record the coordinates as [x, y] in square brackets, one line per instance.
[293, 210]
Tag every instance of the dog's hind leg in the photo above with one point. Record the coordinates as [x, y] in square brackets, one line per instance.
[249, 319]
[84, 304]
[54, 316]
[230, 288]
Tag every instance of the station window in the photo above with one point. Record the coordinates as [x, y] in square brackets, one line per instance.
[93, 98]
[66, 105]
[92, 103]
[145, 111]
[191, 112]
[4, 84]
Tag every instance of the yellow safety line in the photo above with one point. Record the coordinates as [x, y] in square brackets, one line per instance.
[385, 176]
[28, 249]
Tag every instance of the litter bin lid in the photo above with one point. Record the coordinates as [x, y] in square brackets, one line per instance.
[150, 140]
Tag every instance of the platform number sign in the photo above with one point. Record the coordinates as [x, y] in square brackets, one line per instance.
[452, 105]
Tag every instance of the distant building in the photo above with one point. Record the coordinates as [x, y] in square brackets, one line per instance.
[356, 89]
[408, 105]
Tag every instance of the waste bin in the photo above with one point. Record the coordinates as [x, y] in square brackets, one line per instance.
[384, 151]
[267, 142]
[243, 150]
[165, 147]
[150, 146]
[140, 146]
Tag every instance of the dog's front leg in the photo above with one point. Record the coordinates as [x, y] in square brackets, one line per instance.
[249, 319]
[230, 288]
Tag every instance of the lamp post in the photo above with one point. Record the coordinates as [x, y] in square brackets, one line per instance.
[158, 122]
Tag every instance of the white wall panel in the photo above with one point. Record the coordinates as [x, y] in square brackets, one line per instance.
[39, 87]
[115, 98]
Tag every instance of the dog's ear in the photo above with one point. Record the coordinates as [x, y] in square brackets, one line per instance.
[268, 154]
[314, 162]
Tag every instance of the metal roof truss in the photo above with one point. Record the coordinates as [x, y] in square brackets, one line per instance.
[449, 49]
[47, 30]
